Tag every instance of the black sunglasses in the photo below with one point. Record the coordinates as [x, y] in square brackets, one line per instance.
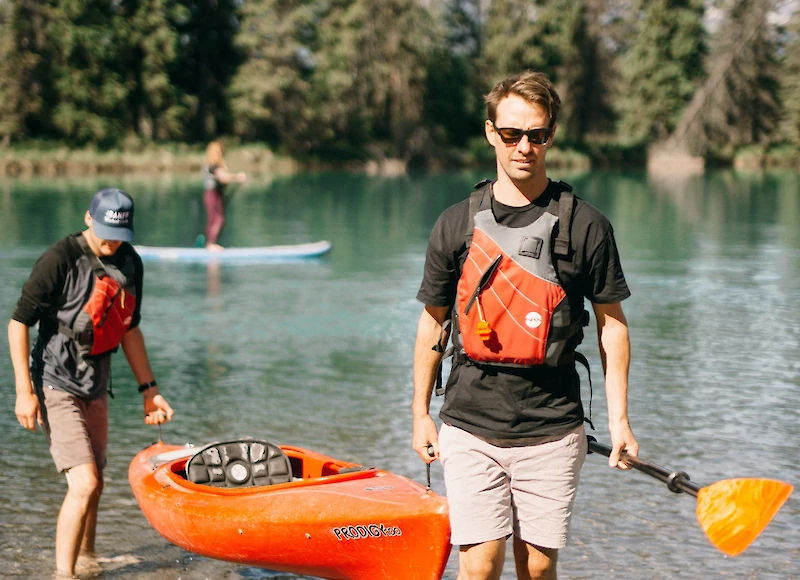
[512, 135]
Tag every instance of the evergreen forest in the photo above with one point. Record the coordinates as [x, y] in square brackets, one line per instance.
[344, 80]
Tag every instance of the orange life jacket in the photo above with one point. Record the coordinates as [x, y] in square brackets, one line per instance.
[107, 315]
[511, 309]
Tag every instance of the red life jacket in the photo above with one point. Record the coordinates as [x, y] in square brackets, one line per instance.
[107, 315]
[511, 309]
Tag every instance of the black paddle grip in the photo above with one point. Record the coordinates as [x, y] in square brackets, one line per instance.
[677, 481]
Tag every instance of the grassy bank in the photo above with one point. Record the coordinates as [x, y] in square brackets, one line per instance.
[46, 159]
[758, 158]
[50, 159]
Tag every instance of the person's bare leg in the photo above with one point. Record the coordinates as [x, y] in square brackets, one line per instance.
[534, 562]
[90, 528]
[87, 558]
[482, 561]
[84, 491]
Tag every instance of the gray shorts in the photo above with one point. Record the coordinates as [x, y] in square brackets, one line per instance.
[496, 491]
[76, 429]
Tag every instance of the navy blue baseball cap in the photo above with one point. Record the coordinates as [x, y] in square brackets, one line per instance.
[112, 215]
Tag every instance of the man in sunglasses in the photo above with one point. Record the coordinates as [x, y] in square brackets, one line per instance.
[506, 275]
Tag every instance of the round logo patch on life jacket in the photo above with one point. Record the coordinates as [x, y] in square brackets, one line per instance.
[533, 320]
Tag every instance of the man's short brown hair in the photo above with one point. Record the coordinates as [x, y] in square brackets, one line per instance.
[532, 86]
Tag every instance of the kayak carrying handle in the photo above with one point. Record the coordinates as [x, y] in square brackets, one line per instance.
[677, 481]
[431, 453]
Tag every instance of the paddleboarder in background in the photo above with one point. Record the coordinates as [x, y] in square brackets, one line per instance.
[85, 293]
[507, 271]
[217, 177]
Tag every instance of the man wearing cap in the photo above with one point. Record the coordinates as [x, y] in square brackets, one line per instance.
[85, 294]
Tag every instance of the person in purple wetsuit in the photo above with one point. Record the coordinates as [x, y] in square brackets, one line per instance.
[216, 177]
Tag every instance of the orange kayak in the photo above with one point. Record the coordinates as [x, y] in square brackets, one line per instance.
[328, 518]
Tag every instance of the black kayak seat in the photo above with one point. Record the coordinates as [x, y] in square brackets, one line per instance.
[242, 463]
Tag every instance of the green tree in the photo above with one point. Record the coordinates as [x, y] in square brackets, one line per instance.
[87, 71]
[10, 86]
[790, 85]
[208, 59]
[452, 113]
[23, 71]
[370, 79]
[270, 95]
[454, 109]
[84, 59]
[738, 102]
[753, 83]
[511, 40]
[662, 68]
[553, 36]
[579, 66]
[157, 108]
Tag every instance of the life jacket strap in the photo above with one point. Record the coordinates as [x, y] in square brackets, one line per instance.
[460, 357]
[479, 199]
[565, 332]
[97, 266]
[84, 337]
[440, 345]
[565, 206]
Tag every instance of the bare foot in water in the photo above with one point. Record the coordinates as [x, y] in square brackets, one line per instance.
[214, 248]
[88, 565]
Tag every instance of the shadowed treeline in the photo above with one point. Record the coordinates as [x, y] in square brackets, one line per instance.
[359, 80]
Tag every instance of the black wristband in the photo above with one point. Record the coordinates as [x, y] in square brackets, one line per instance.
[144, 386]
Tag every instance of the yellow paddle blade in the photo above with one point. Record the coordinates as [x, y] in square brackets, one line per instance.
[733, 512]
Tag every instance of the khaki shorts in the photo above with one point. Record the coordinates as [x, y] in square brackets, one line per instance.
[496, 491]
[76, 429]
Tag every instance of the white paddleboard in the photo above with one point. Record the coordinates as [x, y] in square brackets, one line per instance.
[264, 253]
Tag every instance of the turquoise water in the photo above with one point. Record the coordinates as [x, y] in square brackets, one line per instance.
[318, 354]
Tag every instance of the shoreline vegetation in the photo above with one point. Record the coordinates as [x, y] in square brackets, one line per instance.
[43, 160]
[393, 87]
[54, 160]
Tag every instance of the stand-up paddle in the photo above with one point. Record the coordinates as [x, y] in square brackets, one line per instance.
[732, 512]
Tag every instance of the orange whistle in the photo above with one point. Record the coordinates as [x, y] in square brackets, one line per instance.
[483, 330]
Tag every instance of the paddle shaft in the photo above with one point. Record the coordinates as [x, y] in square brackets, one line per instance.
[677, 481]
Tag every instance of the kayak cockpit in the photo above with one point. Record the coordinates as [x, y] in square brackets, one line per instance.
[254, 463]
